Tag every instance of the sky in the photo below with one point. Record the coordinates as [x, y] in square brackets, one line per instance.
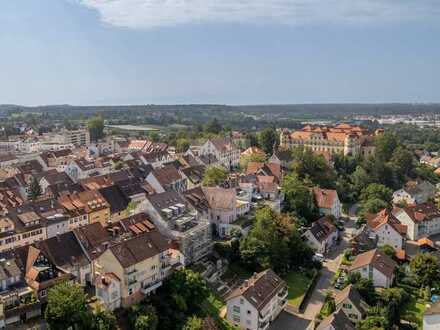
[101, 52]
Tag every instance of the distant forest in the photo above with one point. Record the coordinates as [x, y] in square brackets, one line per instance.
[247, 117]
[288, 109]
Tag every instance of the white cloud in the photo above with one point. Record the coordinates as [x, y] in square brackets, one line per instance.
[144, 14]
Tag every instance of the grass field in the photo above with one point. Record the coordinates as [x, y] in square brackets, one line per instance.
[298, 284]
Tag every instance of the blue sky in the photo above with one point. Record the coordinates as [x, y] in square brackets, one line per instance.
[219, 51]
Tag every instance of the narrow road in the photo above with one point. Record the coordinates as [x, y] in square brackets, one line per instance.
[316, 299]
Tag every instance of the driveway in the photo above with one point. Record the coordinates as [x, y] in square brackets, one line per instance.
[316, 299]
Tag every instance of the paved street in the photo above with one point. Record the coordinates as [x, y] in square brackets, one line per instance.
[315, 301]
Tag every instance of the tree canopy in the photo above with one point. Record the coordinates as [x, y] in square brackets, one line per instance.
[214, 175]
[66, 306]
[426, 268]
[274, 242]
[95, 126]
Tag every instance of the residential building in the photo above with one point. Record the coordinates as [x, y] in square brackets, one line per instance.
[219, 205]
[66, 253]
[283, 157]
[257, 302]
[194, 175]
[224, 150]
[170, 214]
[80, 137]
[90, 203]
[343, 138]
[322, 235]
[415, 192]
[336, 321]
[327, 200]
[351, 303]
[55, 159]
[387, 229]
[375, 266]
[40, 274]
[431, 318]
[421, 220]
[118, 202]
[139, 264]
[167, 178]
[264, 169]
[81, 168]
[251, 151]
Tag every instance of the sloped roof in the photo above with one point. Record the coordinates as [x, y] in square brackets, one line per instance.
[337, 320]
[220, 198]
[384, 217]
[259, 289]
[421, 212]
[353, 295]
[377, 259]
[324, 198]
[140, 248]
[322, 228]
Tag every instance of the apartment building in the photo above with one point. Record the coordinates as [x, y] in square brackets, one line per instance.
[257, 302]
[223, 150]
[139, 266]
[421, 220]
[170, 214]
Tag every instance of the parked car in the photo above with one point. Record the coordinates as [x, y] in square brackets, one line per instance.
[318, 257]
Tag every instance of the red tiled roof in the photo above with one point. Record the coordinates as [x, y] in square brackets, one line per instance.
[324, 198]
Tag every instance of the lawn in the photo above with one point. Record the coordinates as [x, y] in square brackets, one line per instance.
[298, 284]
[413, 311]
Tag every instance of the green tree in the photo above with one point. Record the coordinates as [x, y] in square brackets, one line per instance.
[213, 127]
[364, 286]
[66, 306]
[426, 269]
[388, 250]
[34, 189]
[214, 175]
[385, 144]
[103, 320]
[189, 289]
[298, 197]
[402, 162]
[374, 198]
[373, 323]
[314, 167]
[95, 126]
[143, 317]
[246, 159]
[193, 323]
[274, 242]
[182, 144]
[267, 139]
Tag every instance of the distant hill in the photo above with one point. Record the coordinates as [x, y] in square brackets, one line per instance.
[309, 109]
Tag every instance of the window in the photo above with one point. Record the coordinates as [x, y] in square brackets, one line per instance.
[236, 318]
[348, 306]
[249, 312]
[241, 301]
[130, 291]
[236, 309]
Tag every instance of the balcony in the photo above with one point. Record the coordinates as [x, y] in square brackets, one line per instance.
[263, 325]
[150, 287]
[283, 294]
[265, 317]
